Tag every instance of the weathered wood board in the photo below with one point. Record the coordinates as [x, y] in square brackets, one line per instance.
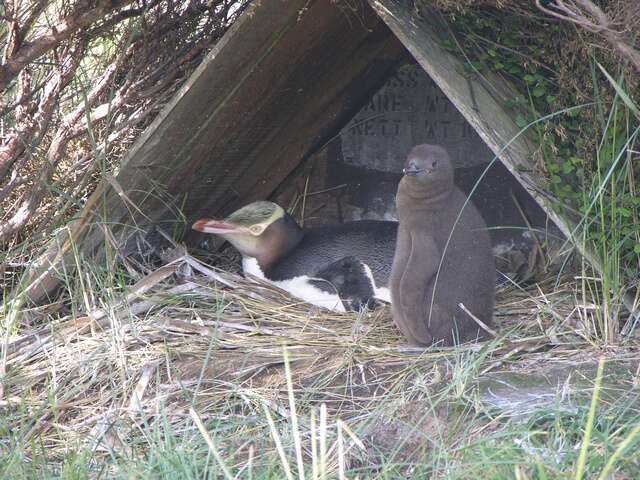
[284, 78]
[408, 110]
[480, 102]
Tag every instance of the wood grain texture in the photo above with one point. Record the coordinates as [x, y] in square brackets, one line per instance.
[284, 79]
[479, 99]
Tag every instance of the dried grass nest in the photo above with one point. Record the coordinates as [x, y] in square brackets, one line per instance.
[192, 335]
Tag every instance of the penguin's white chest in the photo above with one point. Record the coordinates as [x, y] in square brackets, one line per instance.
[299, 287]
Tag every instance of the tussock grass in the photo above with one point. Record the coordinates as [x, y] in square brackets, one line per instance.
[194, 372]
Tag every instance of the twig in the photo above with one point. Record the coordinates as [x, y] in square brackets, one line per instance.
[482, 325]
[27, 52]
[589, 16]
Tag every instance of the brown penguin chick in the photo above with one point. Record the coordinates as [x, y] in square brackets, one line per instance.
[443, 255]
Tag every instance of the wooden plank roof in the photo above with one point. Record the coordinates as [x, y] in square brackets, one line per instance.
[283, 80]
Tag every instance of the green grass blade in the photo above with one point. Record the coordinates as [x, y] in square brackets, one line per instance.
[210, 443]
[582, 459]
[621, 92]
[297, 442]
[619, 451]
[278, 442]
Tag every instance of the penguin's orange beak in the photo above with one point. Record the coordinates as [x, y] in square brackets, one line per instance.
[219, 227]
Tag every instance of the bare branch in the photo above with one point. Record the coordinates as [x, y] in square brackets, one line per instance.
[14, 182]
[35, 12]
[24, 88]
[29, 51]
[589, 16]
[72, 126]
[570, 13]
[156, 56]
[123, 15]
[28, 133]
[5, 109]
[17, 32]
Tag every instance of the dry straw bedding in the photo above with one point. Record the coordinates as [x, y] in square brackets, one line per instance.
[188, 334]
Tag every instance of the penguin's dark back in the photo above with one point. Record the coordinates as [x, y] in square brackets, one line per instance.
[372, 242]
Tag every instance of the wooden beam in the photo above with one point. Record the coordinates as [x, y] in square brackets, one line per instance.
[480, 100]
[283, 80]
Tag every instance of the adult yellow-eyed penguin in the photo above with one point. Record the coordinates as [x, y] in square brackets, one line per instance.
[322, 265]
[443, 255]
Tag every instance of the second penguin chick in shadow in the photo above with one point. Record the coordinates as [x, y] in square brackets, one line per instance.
[352, 280]
[443, 255]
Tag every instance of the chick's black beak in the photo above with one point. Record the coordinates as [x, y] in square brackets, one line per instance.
[412, 169]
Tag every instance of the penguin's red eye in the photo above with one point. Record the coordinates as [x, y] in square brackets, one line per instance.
[256, 229]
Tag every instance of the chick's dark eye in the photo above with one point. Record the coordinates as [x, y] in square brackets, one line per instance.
[435, 163]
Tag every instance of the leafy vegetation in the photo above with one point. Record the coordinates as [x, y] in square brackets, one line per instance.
[584, 122]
